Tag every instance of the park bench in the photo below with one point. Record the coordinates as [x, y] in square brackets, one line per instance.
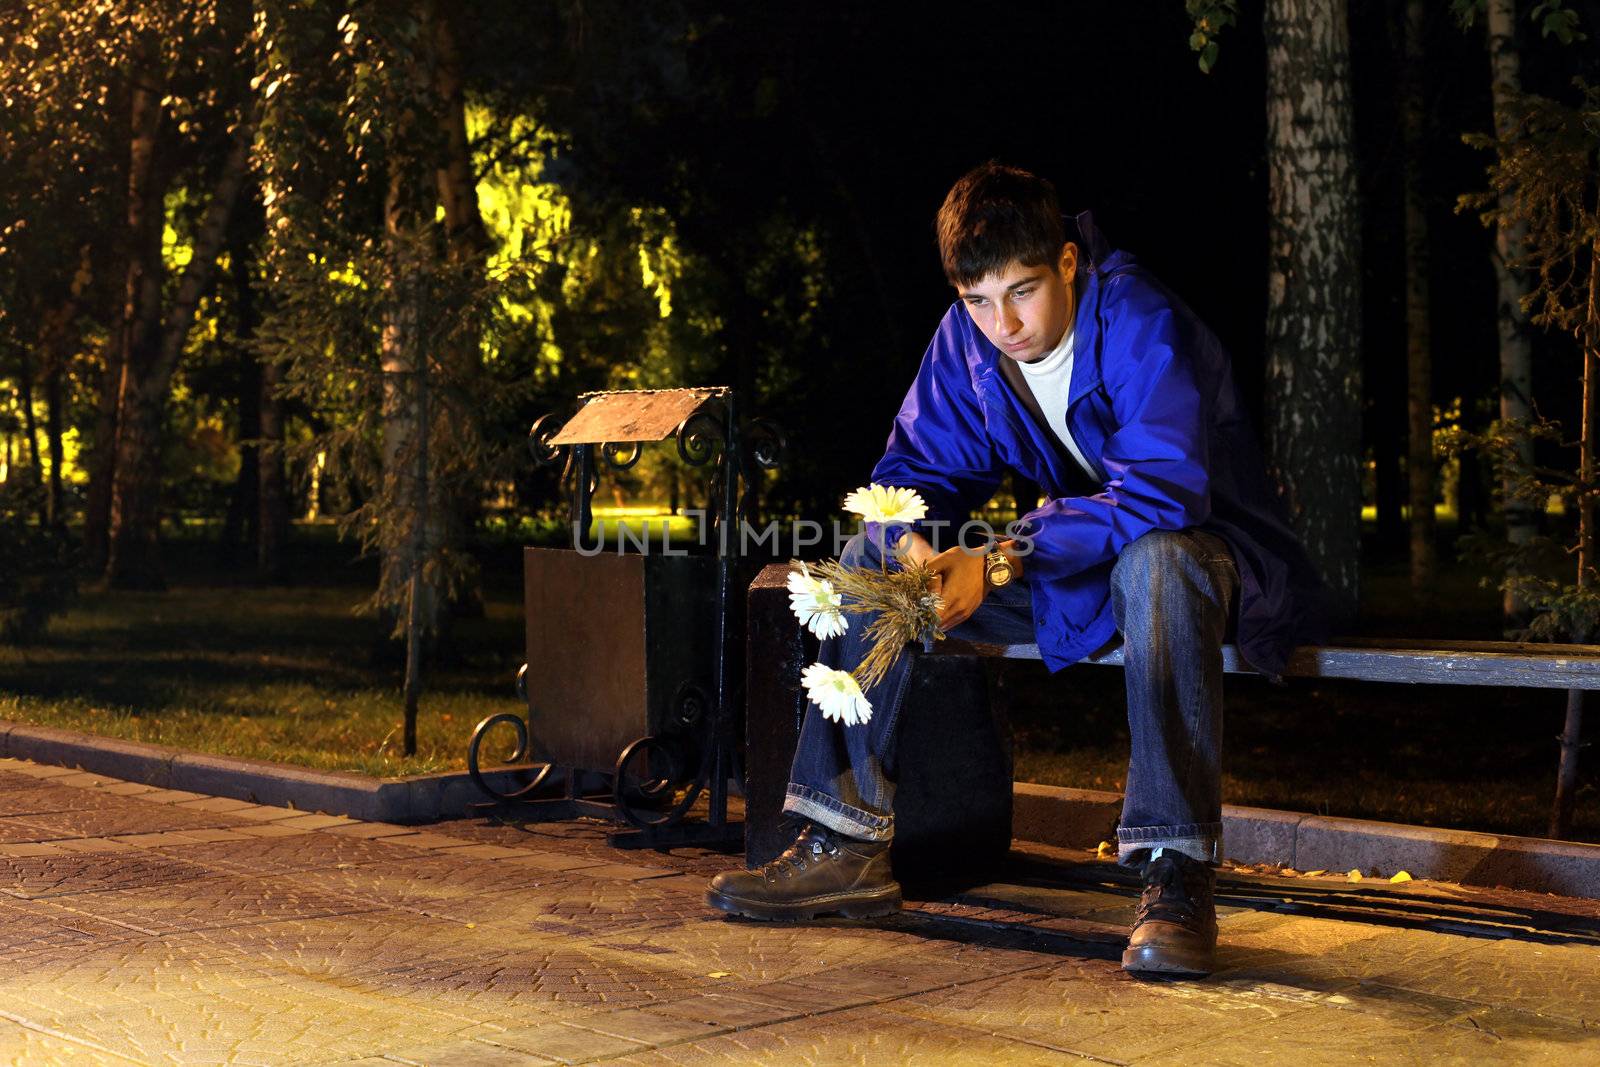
[955, 768]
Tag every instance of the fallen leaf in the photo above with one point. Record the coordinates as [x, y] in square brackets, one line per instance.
[720, 974]
[1400, 876]
[1355, 874]
[472, 926]
[1289, 872]
[1105, 850]
[1315, 874]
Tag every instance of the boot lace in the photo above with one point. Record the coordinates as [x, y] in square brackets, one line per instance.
[813, 844]
[1173, 892]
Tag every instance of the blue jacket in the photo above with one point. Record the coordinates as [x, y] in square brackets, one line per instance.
[1153, 407]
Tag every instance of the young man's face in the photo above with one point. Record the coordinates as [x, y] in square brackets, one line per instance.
[1025, 311]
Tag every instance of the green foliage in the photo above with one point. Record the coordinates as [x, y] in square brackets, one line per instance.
[1545, 177]
[1553, 17]
[36, 562]
[1545, 174]
[1557, 20]
[1210, 18]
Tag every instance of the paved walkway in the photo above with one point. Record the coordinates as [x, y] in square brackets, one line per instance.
[154, 926]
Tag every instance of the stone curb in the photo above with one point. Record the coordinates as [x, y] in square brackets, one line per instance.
[1051, 815]
[420, 798]
[1082, 818]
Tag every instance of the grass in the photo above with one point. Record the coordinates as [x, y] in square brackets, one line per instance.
[280, 674]
[291, 675]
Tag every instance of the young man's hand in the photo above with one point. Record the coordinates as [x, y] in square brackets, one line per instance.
[958, 579]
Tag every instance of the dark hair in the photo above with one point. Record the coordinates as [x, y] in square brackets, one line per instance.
[996, 215]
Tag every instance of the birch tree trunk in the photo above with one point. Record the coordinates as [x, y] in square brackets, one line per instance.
[1313, 289]
[134, 560]
[1419, 344]
[405, 422]
[1516, 346]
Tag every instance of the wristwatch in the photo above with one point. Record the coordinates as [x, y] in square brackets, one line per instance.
[997, 569]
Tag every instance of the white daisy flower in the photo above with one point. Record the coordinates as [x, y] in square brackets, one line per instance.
[884, 503]
[815, 604]
[837, 694]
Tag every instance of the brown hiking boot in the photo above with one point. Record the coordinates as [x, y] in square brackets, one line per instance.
[1175, 929]
[822, 873]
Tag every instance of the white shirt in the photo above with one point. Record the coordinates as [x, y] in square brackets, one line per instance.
[1050, 378]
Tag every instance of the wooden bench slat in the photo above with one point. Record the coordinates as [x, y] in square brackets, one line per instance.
[1438, 663]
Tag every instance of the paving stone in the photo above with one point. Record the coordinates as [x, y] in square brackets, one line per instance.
[22, 1045]
[38, 848]
[626, 872]
[84, 780]
[31, 930]
[370, 829]
[1324, 954]
[54, 876]
[1559, 981]
[559, 1043]
[648, 1027]
[213, 804]
[1328, 1035]
[165, 838]
[273, 829]
[41, 770]
[243, 940]
[551, 862]
[1094, 1008]
[128, 789]
[171, 796]
[42, 798]
[439, 884]
[124, 818]
[265, 813]
[455, 1054]
[95, 844]
[421, 839]
[729, 1012]
[317, 822]
[859, 1036]
[260, 1025]
[485, 852]
[207, 902]
[244, 852]
[18, 831]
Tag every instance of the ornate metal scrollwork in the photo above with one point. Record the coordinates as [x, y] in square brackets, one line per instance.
[540, 771]
[539, 434]
[620, 456]
[643, 798]
[699, 437]
[766, 443]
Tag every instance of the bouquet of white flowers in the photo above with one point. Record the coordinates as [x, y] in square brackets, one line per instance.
[903, 601]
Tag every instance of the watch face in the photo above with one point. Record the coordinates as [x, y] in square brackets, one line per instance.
[999, 573]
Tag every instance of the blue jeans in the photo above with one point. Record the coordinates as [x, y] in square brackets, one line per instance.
[1170, 594]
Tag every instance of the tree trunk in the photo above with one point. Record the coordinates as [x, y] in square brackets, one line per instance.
[152, 356]
[1572, 730]
[273, 523]
[1419, 350]
[1313, 293]
[458, 504]
[1516, 346]
[134, 466]
[408, 209]
[30, 425]
[241, 530]
[1388, 445]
